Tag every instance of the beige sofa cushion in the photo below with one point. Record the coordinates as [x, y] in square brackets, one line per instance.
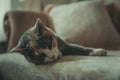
[86, 23]
[66, 68]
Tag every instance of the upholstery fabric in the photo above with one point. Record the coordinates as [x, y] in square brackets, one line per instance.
[86, 23]
[67, 68]
[44, 3]
[114, 12]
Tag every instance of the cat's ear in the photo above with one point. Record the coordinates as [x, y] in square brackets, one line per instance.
[16, 49]
[39, 26]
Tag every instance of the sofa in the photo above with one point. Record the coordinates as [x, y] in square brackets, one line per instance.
[85, 23]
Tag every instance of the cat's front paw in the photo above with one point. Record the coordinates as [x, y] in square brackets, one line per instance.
[98, 52]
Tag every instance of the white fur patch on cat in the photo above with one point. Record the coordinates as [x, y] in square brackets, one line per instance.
[98, 52]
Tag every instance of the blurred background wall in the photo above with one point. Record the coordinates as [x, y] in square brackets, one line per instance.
[4, 7]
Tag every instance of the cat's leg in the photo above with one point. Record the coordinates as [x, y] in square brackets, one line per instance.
[73, 49]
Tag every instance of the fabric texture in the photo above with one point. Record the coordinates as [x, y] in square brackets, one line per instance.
[67, 68]
[86, 23]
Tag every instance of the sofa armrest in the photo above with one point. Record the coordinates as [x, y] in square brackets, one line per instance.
[3, 46]
[20, 21]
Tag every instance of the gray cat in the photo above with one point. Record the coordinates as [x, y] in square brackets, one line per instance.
[40, 45]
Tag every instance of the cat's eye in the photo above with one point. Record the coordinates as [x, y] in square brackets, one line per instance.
[37, 36]
[41, 43]
[54, 36]
[45, 41]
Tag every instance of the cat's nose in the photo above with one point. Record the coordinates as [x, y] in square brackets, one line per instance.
[55, 57]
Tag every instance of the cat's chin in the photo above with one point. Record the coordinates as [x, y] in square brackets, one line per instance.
[37, 62]
[47, 59]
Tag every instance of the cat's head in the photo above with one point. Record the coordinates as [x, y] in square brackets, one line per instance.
[38, 44]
